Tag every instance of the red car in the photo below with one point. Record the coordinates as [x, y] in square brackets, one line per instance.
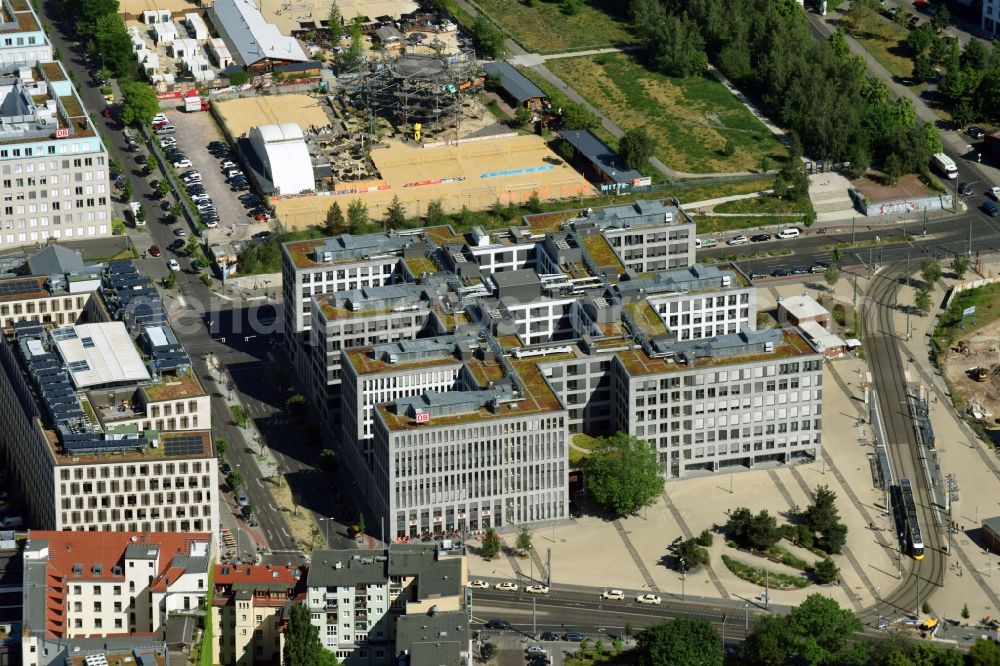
[106, 112]
[154, 250]
[262, 216]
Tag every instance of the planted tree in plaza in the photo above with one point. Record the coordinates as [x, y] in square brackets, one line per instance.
[623, 474]
[680, 642]
[140, 215]
[825, 571]
[817, 632]
[221, 446]
[832, 276]
[524, 540]
[491, 543]
[822, 513]
[930, 272]
[960, 265]
[922, 300]
[758, 532]
[302, 642]
[689, 555]
[235, 479]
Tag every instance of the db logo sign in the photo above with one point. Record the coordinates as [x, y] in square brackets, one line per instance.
[62, 133]
[423, 417]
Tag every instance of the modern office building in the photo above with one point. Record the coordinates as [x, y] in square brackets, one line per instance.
[405, 604]
[731, 402]
[250, 605]
[991, 17]
[53, 164]
[104, 425]
[22, 38]
[79, 586]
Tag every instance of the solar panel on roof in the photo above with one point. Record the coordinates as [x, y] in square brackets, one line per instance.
[184, 445]
[15, 287]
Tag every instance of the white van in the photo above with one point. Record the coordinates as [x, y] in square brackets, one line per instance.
[945, 165]
[165, 130]
[790, 232]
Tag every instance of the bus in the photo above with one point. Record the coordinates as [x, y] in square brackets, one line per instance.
[945, 165]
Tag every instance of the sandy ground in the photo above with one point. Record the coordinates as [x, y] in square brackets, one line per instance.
[403, 165]
[289, 14]
[984, 351]
[240, 115]
[134, 8]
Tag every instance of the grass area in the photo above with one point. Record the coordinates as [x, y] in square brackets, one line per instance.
[787, 558]
[544, 28]
[607, 654]
[885, 41]
[266, 257]
[765, 204]
[869, 242]
[756, 575]
[691, 120]
[559, 99]
[708, 224]
[987, 303]
[583, 442]
[127, 253]
[752, 255]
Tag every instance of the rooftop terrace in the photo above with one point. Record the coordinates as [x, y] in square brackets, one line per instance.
[172, 387]
[601, 253]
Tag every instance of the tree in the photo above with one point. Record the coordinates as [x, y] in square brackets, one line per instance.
[923, 69]
[984, 653]
[235, 479]
[926, 608]
[335, 222]
[435, 214]
[576, 116]
[893, 168]
[220, 448]
[833, 539]
[705, 538]
[680, 642]
[921, 38]
[941, 18]
[817, 632]
[140, 215]
[357, 216]
[690, 555]
[930, 272]
[825, 571]
[176, 210]
[139, 104]
[296, 404]
[534, 203]
[490, 39]
[570, 7]
[762, 532]
[335, 23]
[126, 190]
[115, 167]
[170, 280]
[361, 523]
[114, 45]
[965, 611]
[822, 514]
[729, 149]
[960, 265]
[835, 256]
[355, 53]
[522, 117]
[489, 651]
[627, 629]
[302, 642]
[328, 460]
[673, 43]
[635, 147]
[623, 474]
[151, 163]
[832, 275]
[395, 214]
[239, 416]
[922, 300]
[524, 540]
[162, 187]
[491, 543]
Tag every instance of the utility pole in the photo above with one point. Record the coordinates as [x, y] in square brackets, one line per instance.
[767, 595]
[870, 261]
[534, 618]
[907, 309]
[854, 226]
[683, 578]
[548, 568]
[969, 252]
[878, 607]
[746, 616]
[925, 223]
[724, 618]
[899, 552]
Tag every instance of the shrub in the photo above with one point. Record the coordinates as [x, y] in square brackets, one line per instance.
[705, 538]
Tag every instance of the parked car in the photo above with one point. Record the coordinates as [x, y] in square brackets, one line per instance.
[479, 584]
[976, 132]
[242, 500]
[613, 594]
[817, 268]
[180, 233]
[574, 636]
[535, 649]
[781, 272]
[177, 245]
[738, 240]
[537, 589]
[648, 599]
[994, 192]
[173, 265]
[182, 164]
[790, 232]
[799, 270]
[225, 469]
[498, 624]
[991, 209]
[507, 587]
[168, 141]
[260, 217]
[758, 276]
[760, 238]
[549, 636]
[154, 251]
[965, 189]
[159, 118]
[229, 165]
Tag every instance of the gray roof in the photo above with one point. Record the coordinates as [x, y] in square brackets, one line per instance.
[433, 640]
[733, 344]
[339, 248]
[249, 36]
[603, 158]
[992, 524]
[55, 260]
[514, 82]
[406, 351]
[516, 278]
[354, 569]
[437, 403]
[637, 213]
[369, 298]
[117, 649]
[435, 577]
[387, 34]
[697, 277]
[180, 630]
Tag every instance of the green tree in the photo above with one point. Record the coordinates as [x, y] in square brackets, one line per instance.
[361, 523]
[357, 216]
[435, 214]
[893, 168]
[817, 632]
[825, 571]
[114, 45]
[522, 117]
[239, 416]
[673, 43]
[524, 540]
[335, 23]
[941, 18]
[576, 116]
[627, 629]
[126, 190]
[926, 608]
[170, 280]
[491, 543]
[176, 211]
[984, 653]
[328, 460]
[623, 474]
[489, 651]
[832, 275]
[395, 214]
[140, 216]
[139, 104]
[822, 514]
[162, 187]
[151, 163]
[355, 53]
[680, 642]
[729, 149]
[960, 265]
[118, 227]
[921, 38]
[335, 222]
[690, 555]
[922, 300]
[835, 256]
[762, 532]
[923, 69]
[965, 611]
[705, 538]
[570, 7]
[833, 539]
[302, 642]
[635, 147]
[115, 166]
[930, 272]
[235, 479]
[221, 446]
[534, 203]
[490, 39]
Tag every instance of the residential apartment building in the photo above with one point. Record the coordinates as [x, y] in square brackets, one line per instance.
[22, 39]
[53, 164]
[725, 402]
[78, 586]
[105, 427]
[379, 607]
[250, 605]
[991, 17]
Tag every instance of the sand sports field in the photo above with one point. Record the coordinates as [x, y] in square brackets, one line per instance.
[474, 174]
[240, 115]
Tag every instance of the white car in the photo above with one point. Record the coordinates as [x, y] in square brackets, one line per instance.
[995, 193]
[648, 599]
[228, 165]
[613, 594]
[535, 649]
[159, 118]
[211, 224]
[173, 265]
[537, 589]
[198, 198]
[507, 587]
[168, 141]
[479, 584]
[738, 240]
[182, 164]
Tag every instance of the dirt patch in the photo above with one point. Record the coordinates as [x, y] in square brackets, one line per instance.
[300, 520]
[981, 349]
[907, 187]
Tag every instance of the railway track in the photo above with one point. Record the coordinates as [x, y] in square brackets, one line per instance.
[887, 361]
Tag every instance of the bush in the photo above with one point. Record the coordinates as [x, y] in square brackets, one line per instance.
[705, 538]
[690, 555]
[825, 571]
[238, 78]
[756, 575]
[239, 416]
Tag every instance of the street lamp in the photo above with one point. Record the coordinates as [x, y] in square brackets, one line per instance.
[683, 577]
[878, 607]
[327, 530]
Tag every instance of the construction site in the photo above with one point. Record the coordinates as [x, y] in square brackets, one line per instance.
[972, 368]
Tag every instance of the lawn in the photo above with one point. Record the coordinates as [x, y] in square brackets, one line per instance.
[708, 224]
[583, 442]
[886, 42]
[544, 28]
[985, 299]
[751, 574]
[765, 204]
[690, 120]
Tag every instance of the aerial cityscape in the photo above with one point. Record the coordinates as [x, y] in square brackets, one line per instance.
[500, 332]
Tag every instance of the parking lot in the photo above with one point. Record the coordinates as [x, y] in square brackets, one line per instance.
[194, 132]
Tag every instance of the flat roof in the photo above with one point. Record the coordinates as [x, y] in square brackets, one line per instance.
[514, 82]
[600, 155]
[821, 337]
[802, 307]
[99, 354]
